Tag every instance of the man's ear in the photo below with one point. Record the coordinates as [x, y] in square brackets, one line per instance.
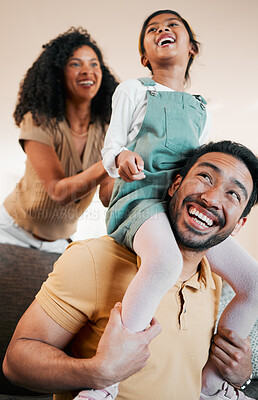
[238, 226]
[144, 61]
[176, 183]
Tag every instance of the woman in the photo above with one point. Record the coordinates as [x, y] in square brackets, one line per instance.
[63, 109]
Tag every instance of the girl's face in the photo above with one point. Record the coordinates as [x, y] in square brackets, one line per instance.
[82, 75]
[166, 39]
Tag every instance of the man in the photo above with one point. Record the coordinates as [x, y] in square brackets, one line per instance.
[73, 305]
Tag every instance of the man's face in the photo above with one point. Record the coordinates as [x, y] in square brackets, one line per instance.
[207, 204]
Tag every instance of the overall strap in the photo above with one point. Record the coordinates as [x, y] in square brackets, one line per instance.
[151, 84]
[201, 100]
[147, 81]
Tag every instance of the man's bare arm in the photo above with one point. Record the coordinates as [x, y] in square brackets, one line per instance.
[35, 358]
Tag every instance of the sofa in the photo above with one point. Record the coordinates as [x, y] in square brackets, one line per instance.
[22, 272]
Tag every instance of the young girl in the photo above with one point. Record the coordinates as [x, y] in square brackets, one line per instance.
[153, 123]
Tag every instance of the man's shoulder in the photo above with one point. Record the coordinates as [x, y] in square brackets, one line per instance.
[102, 251]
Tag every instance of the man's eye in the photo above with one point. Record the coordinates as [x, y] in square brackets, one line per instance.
[235, 195]
[206, 177]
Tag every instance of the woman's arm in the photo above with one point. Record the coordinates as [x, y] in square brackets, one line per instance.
[61, 189]
[105, 190]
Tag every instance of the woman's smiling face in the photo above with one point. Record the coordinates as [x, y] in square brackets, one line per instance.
[82, 75]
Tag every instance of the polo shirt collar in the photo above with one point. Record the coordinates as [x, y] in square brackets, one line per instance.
[203, 279]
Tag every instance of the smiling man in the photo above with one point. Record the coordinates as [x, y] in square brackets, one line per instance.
[210, 199]
[214, 196]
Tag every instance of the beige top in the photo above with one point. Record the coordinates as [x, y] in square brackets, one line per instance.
[29, 204]
[92, 275]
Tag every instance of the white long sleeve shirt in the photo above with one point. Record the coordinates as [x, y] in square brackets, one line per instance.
[129, 104]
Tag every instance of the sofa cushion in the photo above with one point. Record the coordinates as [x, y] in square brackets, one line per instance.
[22, 272]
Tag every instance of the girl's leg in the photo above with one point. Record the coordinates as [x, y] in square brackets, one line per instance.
[161, 265]
[240, 270]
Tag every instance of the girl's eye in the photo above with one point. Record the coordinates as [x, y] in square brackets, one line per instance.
[151, 30]
[173, 24]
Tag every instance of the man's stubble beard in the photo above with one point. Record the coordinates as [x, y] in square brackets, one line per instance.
[189, 240]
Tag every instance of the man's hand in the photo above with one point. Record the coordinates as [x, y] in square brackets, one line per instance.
[35, 358]
[122, 353]
[130, 166]
[232, 356]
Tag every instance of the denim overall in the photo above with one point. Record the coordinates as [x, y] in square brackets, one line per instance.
[172, 125]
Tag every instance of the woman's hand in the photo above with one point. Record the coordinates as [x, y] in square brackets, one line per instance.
[130, 166]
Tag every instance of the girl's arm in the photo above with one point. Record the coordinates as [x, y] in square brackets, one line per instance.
[60, 188]
[116, 138]
[130, 166]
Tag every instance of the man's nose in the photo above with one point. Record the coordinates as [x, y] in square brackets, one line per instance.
[212, 197]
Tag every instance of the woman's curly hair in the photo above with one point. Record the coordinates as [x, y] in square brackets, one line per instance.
[42, 91]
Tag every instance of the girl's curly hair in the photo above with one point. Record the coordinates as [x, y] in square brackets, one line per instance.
[42, 91]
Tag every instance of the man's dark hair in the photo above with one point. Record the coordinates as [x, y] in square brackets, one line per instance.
[234, 149]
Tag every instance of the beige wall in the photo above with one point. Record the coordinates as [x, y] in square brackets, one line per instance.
[225, 73]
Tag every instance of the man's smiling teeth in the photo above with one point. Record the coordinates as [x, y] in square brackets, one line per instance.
[87, 83]
[200, 217]
[166, 40]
